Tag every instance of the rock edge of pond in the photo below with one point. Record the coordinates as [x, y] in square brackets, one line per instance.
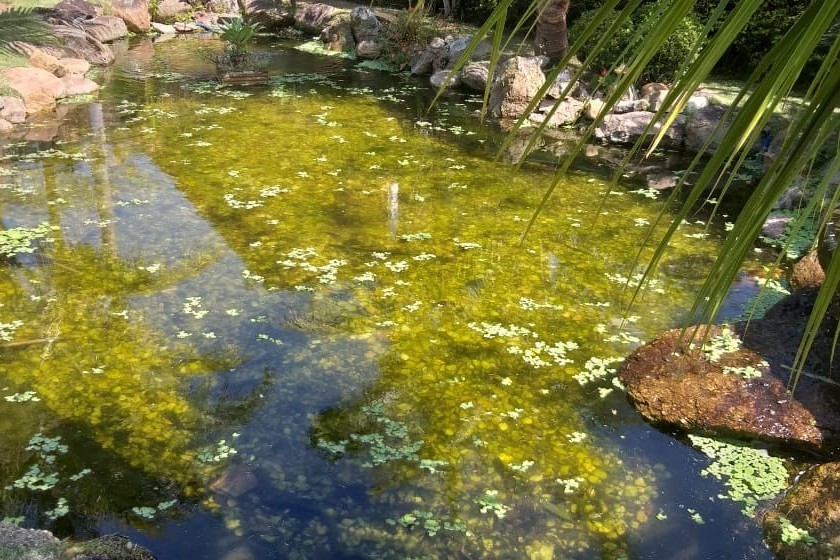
[678, 383]
[38, 544]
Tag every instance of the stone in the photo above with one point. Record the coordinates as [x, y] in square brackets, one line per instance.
[438, 79]
[518, 81]
[807, 273]
[660, 180]
[695, 103]
[791, 199]
[338, 34]
[68, 65]
[236, 481]
[474, 75]
[674, 385]
[38, 88]
[700, 128]
[169, 10]
[654, 93]
[105, 28]
[77, 85]
[76, 43]
[364, 24]
[565, 112]
[811, 505]
[271, 15]
[13, 111]
[5, 126]
[109, 547]
[135, 14]
[369, 50]
[68, 11]
[163, 28]
[45, 61]
[592, 108]
[628, 106]
[455, 48]
[314, 17]
[626, 128]
[27, 544]
[423, 63]
[774, 226]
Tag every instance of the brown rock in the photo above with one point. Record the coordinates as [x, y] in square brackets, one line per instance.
[168, 10]
[812, 505]
[77, 85]
[135, 14]
[38, 87]
[626, 128]
[338, 35]
[72, 66]
[5, 126]
[369, 50]
[45, 61]
[673, 384]
[105, 28]
[807, 273]
[13, 109]
[515, 86]
[75, 43]
[474, 75]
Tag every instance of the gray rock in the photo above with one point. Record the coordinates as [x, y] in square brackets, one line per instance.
[628, 106]
[660, 180]
[105, 28]
[626, 128]
[593, 107]
[364, 24]
[700, 128]
[314, 17]
[168, 10]
[439, 78]
[774, 226]
[695, 103]
[5, 126]
[455, 48]
[369, 50]
[424, 62]
[27, 544]
[474, 75]
[514, 86]
[564, 112]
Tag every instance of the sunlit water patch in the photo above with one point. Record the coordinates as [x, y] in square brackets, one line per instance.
[303, 313]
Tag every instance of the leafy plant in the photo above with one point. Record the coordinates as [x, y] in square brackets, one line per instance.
[237, 33]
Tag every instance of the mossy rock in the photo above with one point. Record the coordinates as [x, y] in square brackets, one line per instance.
[805, 525]
[110, 547]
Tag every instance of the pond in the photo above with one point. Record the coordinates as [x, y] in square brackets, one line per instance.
[297, 321]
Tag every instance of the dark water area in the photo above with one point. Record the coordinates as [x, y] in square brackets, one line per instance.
[296, 321]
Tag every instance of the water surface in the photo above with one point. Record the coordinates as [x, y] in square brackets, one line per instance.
[298, 322]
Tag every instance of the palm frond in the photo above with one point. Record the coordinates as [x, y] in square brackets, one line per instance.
[24, 25]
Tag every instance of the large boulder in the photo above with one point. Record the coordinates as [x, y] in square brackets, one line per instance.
[38, 88]
[45, 61]
[439, 78]
[626, 128]
[514, 86]
[109, 547]
[718, 388]
[68, 11]
[271, 15]
[365, 25]
[474, 75]
[6, 126]
[135, 14]
[314, 17]
[701, 126]
[338, 34]
[807, 273]
[805, 524]
[105, 28]
[75, 43]
[455, 48]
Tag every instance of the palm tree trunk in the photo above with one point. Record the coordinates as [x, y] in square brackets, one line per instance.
[550, 38]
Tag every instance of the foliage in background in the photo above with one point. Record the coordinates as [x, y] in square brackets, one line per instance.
[670, 57]
[409, 33]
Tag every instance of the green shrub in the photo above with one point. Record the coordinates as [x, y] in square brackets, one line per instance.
[665, 63]
[409, 33]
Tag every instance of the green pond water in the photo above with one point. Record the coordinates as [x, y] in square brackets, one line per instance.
[298, 323]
